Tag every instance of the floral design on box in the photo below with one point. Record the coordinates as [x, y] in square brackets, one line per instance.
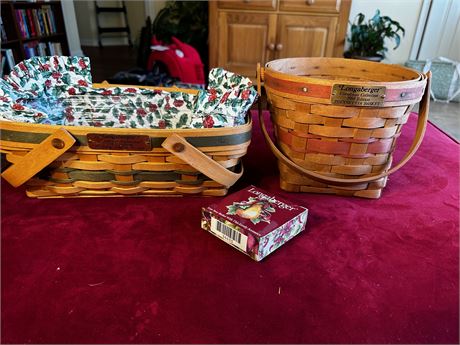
[58, 90]
[276, 239]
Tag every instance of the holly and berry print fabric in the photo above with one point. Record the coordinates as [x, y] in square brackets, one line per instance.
[58, 90]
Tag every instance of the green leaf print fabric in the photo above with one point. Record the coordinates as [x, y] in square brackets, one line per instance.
[58, 90]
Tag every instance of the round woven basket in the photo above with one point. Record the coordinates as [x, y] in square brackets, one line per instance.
[336, 121]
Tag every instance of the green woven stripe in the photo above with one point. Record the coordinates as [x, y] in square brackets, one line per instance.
[33, 138]
[123, 172]
[185, 172]
[61, 180]
[64, 170]
[157, 176]
[224, 140]
[93, 176]
[22, 137]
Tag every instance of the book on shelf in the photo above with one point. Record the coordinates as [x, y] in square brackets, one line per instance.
[41, 49]
[3, 62]
[8, 56]
[40, 22]
[51, 48]
[3, 31]
[36, 23]
[30, 49]
[45, 22]
[52, 19]
[19, 21]
[49, 17]
[55, 48]
[58, 48]
[33, 32]
[24, 21]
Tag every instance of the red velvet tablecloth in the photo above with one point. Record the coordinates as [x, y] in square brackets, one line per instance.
[140, 270]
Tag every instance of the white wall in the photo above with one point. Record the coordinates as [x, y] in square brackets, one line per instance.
[406, 12]
[442, 33]
[73, 38]
[152, 7]
[87, 26]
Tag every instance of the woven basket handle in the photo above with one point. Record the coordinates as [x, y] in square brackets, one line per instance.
[39, 157]
[182, 149]
[420, 132]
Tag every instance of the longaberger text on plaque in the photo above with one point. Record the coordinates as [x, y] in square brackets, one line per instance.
[358, 95]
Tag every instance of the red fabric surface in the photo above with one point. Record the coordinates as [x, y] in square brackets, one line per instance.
[140, 270]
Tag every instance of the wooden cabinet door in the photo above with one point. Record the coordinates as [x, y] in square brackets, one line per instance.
[244, 40]
[305, 36]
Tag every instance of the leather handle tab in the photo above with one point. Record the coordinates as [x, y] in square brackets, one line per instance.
[182, 149]
[420, 132]
[39, 157]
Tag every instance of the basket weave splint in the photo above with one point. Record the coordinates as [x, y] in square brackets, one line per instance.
[336, 122]
[78, 161]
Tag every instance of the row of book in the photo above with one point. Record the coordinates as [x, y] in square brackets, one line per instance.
[36, 21]
[36, 48]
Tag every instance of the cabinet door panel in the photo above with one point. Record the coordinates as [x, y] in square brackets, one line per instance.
[306, 36]
[243, 40]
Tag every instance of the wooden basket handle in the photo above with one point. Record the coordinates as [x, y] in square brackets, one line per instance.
[420, 132]
[182, 149]
[260, 78]
[39, 157]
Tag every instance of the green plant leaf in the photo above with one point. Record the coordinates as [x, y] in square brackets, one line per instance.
[368, 38]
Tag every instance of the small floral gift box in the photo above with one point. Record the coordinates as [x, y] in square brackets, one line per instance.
[254, 221]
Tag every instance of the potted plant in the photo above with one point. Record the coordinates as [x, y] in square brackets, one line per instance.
[367, 39]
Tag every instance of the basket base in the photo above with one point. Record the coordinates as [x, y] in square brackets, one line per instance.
[37, 188]
[291, 181]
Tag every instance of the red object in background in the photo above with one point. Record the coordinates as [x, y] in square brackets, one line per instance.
[182, 60]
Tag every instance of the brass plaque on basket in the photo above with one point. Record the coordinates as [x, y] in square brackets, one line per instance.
[361, 96]
[119, 142]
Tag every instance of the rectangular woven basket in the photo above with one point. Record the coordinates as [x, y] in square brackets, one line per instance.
[78, 161]
[337, 120]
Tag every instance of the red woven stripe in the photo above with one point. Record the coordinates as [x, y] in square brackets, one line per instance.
[305, 135]
[382, 146]
[296, 88]
[328, 147]
[324, 91]
[403, 94]
[285, 137]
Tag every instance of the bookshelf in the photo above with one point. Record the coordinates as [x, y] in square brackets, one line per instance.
[31, 28]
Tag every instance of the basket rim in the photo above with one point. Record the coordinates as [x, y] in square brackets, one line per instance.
[154, 132]
[419, 78]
